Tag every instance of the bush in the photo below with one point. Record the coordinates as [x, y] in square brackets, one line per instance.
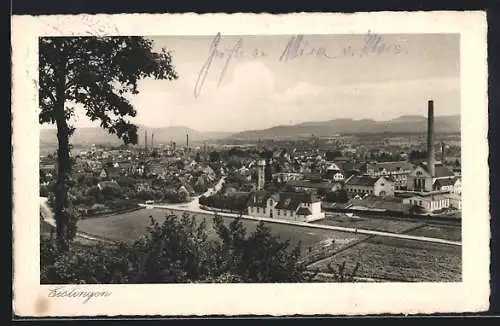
[178, 251]
[337, 197]
[44, 191]
[83, 264]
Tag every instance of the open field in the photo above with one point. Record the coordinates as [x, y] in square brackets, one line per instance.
[132, 225]
[376, 224]
[439, 231]
[379, 257]
[401, 260]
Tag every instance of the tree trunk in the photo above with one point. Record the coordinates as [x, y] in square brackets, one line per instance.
[63, 160]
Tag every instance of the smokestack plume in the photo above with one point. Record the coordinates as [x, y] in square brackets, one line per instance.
[430, 138]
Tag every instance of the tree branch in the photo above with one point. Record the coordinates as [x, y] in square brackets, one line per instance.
[52, 97]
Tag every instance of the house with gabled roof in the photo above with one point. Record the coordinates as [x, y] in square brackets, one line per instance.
[292, 206]
[315, 187]
[420, 179]
[363, 184]
[429, 202]
[397, 171]
[110, 173]
[108, 184]
[433, 192]
[444, 184]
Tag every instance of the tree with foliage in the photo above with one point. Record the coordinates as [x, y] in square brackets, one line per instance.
[332, 155]
[182, 196]
[268, 172]
[417, 155]
[214, 156]
[339, 196]
[96, 73]
[126, 182]
[43, 176]
[259, 257]
[179, 250]
[180, 164]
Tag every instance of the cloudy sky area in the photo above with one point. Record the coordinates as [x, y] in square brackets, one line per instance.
[261, 91]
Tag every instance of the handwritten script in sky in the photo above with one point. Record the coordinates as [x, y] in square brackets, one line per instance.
[295, 48]
[94, 26]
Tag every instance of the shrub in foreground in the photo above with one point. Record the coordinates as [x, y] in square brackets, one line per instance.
[178, 251]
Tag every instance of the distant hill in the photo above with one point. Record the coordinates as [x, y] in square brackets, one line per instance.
[161, 135]
[403, 124]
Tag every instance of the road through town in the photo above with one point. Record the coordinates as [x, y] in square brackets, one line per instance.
[194, 207]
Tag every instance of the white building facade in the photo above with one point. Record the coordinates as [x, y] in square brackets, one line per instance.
[300, 207]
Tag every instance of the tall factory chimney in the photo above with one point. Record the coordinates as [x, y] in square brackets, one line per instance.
[187, 141]
[430, 138]
[146, 140]
[152, 140]
[442, 153]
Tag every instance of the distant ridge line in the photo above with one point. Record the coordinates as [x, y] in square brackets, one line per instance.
[406, 124]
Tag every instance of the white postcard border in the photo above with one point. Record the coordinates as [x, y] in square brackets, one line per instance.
[31, 299]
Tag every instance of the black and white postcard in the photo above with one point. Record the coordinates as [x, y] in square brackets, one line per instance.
[250, 164]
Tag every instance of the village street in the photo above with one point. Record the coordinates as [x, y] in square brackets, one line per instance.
[194, 207]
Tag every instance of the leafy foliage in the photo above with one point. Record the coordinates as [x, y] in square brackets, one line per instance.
[235, 203]
[339, 196]
[340, 272]
[95, 73]
[72, 214]
[179, 250]
[214, 156]
[417, 155]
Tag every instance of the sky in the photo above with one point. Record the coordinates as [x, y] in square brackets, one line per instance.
[256, 82]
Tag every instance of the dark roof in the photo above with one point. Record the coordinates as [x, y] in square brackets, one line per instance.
[333, 171]
[370, 201]
[445, 182]
[240, 194]
[313, 176]
[443, 171]
[342, 159]
[303, 211]
[312, 185]
[361, 180]
[390, 166]
[126, 164]
[292, 200]
[440, 170]
[109, 184]
[259, 198]
[432, 196]
[112, 170]
[350, 165]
